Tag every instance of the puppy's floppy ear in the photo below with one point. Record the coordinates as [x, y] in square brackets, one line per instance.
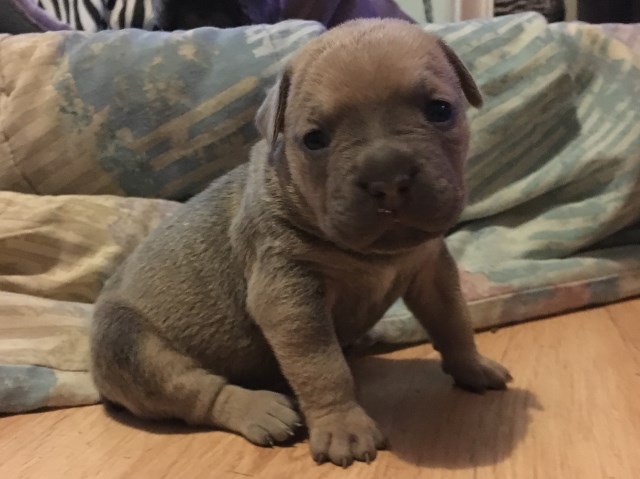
[270, 116]
[468, 84]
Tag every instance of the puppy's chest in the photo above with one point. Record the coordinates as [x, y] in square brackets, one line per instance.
[359, 296]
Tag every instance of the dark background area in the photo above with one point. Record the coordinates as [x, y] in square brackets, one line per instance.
[609, 11]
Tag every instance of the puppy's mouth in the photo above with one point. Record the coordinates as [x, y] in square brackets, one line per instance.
[390, 232]
[390, 213]
[401, 238]
[393, 219]
[366, 227]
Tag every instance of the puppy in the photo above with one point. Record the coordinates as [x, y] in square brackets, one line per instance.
[256, 284]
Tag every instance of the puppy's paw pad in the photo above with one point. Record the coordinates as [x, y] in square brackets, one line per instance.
[345, 437]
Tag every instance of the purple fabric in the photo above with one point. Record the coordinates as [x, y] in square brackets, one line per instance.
[328, 12]
[29, 11]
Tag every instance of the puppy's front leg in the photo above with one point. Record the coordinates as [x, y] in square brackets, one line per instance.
[434, 297]
[288, 302]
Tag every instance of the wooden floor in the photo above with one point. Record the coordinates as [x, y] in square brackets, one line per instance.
[572, 412]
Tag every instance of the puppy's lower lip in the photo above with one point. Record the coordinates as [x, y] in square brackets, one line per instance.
[388, 214]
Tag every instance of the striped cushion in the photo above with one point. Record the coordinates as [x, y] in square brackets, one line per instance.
[55, 253]
[65, 247]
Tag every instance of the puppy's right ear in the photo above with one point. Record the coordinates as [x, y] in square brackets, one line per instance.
[270, 116]
[467, 83]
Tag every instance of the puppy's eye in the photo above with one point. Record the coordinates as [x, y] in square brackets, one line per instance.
[316, 140]
[439, 111]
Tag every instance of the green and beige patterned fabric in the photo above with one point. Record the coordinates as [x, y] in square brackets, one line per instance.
[552, 223]
[135, 113]
[55, 253]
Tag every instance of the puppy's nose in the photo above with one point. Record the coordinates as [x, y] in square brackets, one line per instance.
[388, 174]
[394, 188]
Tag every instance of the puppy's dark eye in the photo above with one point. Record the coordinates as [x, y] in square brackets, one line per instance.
[316, 140]
[439, 111]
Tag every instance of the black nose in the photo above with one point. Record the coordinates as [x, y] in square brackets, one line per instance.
[394, 188]
[388, 174]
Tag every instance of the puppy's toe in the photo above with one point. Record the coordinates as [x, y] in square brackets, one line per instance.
[275, 414]
[285, 415]
[319, 444]
[365, 448]
[267, 431]
[340, 451]
[478, 374]
[259, 435]
[263, 417]
[496, 375]
[345, 436]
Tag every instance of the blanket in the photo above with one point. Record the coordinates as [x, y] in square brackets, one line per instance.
[92, 160]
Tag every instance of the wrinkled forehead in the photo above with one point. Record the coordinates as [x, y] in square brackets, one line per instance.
[336, 75]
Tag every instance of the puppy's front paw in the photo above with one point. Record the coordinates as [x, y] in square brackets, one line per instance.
[345, 436]
[263, 417]
[477, 373]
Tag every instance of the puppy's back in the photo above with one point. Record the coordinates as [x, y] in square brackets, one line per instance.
[187, 271]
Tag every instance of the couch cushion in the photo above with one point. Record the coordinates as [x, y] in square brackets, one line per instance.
[131, 112]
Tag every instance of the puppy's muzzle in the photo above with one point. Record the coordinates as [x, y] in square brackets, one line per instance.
[388, 177]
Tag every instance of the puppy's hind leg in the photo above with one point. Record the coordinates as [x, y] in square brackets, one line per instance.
[134, 367]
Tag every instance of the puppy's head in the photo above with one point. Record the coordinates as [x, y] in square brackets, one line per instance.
[367, 124]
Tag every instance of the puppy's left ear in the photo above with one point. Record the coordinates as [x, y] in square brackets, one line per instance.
[468, 84]
[270, 115]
